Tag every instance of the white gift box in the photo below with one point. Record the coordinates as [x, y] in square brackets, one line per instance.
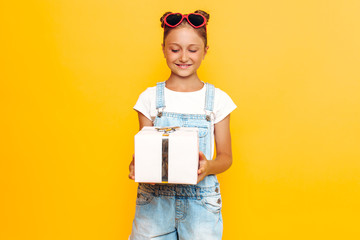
[167, 155]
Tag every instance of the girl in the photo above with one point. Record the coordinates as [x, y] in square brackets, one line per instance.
[179, 211]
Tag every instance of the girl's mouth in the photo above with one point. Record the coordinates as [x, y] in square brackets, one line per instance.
[183, 66]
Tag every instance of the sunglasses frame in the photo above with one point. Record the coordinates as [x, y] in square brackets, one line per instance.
[182, 19]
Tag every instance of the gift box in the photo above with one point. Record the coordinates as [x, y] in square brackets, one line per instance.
[167, 155]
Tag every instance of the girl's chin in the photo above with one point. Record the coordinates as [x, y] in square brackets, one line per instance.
[183, 75]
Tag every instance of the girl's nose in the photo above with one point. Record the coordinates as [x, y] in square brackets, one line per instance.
[184, 57]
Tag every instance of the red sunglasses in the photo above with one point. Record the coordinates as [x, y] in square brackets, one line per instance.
[196, 20]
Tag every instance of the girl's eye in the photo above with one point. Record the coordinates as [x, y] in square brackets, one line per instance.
[193, 50]
[173, 50]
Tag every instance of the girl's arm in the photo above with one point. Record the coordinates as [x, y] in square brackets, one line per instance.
[223, 158]
[143, 121]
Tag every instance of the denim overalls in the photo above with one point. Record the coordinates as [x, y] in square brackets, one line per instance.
[180, 211]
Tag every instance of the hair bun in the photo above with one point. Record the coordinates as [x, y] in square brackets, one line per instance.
[205, 14]
[162, 18]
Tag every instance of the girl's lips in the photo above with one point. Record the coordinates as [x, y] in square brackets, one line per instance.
[183, 66]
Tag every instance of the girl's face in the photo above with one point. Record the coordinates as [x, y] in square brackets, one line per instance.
[184, 51]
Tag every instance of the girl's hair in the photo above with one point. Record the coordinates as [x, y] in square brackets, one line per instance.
[201, 31]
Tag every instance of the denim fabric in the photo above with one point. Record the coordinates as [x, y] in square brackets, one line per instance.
[179, 211]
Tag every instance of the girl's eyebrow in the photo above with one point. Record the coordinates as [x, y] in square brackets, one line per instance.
[193, 44]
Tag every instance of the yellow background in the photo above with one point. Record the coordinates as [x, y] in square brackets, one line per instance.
[71, 71]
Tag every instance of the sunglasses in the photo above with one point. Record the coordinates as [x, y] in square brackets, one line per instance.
[196, 20]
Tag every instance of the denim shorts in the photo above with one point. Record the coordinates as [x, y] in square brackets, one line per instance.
[175, 211]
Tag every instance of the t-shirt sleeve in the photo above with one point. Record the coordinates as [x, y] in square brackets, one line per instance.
[223, 105]
[143, 103]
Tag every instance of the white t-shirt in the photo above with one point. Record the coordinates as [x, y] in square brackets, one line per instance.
[186, 103]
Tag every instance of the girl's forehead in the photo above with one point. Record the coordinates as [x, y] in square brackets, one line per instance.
[184, 36]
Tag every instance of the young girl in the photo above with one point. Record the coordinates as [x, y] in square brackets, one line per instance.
[179, 211]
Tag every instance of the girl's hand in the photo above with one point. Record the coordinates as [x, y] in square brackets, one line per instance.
[204, 166]
[132, 168]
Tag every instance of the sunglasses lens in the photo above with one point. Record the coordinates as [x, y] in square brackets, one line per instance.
[173, 19]
[196, 20]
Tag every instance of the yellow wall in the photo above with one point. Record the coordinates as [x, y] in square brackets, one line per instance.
[71, 72]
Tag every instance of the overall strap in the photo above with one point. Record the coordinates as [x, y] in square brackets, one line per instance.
[209, 108]
[160, 95]
[209, 99]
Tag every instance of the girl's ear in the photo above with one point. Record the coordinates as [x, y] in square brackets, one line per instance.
[205, 52]
[163, 48]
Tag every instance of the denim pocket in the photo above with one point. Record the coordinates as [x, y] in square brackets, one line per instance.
[143, 198]
[203, 131]
[212, 203]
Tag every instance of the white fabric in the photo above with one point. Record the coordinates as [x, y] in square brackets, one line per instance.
[186, 102]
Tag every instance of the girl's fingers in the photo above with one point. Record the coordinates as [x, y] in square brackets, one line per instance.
[202, 156]
[200, 177]
[131, 169]
[131, 172]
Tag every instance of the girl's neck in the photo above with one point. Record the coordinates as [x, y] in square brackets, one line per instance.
[179, 84]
